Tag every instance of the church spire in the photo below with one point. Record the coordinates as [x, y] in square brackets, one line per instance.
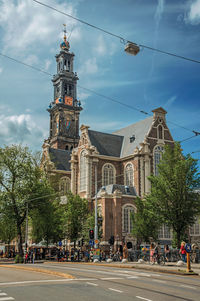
[65, 108]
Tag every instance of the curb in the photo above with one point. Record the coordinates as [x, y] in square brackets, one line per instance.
[124, 266]
[44, 271]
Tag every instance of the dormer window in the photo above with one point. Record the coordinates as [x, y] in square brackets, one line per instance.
[132, 138]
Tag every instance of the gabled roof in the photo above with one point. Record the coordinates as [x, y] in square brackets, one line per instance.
[139, 130]
[60, 158]
[106, 144]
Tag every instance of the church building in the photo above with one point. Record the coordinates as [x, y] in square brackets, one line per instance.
[115, 165]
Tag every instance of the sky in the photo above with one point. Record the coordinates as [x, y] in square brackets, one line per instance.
[32, 33]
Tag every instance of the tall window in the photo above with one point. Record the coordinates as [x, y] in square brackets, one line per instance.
[129, 181]
[195, 229]
[158, 151]
[64, 185]
[160, 132]
[127, 222]
[164, 232]
[108, 174]
[83, 171]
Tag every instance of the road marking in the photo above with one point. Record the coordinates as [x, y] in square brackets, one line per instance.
[51, 280]
[111, 278]
[112, 289]
[192, 287]
[90, 283]
[132, 277]
[143, 298]
[6, 298]
[3, 294]
[159, 281]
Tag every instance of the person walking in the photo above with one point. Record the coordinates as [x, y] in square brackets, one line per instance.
[166, 250]
[183, 251]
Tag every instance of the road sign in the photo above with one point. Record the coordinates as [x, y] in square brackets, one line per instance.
[188, 248]
[91, 242]
[96, 241]
[60, 243]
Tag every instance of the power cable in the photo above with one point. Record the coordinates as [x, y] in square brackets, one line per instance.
[99, 94]
[123, 40]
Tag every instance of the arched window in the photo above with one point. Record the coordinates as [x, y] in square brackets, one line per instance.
[160, 132]
[83, 171]
[158, 151]
[128, 177]
[64, 185]
[108, 174]
[127, 222]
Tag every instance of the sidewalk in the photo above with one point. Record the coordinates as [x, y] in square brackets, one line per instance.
[169, 267]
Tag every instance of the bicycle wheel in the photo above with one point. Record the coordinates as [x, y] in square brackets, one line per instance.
[162, 260]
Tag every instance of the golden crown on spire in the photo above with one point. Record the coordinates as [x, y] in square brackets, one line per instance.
[65, 44]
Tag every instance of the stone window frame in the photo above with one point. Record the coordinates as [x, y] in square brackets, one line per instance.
[104, 183]
[129, 227]
[125, 175]
[160, 126]
[157, 157]
[66, 182]
[82, 169]
[194, 230]
[164, 232]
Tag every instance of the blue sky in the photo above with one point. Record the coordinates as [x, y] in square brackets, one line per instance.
[32, 33]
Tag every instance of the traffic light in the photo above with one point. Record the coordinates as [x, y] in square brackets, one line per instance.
[91, 234]
[112, 240]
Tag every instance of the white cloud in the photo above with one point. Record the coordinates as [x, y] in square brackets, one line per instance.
[47, 64]
[31, 59]
[89, 67]
[100, 48]
[194, 13]
[15, 129]
[159, 11]
[170, 101]
[26, 23]
[1, 70]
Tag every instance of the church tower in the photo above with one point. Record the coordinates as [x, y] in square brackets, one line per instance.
[65, 108]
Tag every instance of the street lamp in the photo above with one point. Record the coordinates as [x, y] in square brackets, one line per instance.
[132, 48]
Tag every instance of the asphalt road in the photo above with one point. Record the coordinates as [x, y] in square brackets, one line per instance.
[95, 283]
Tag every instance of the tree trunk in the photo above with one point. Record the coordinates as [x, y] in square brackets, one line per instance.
[20, 247]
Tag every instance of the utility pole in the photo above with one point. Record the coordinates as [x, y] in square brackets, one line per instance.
[96, 216]
[26, 234]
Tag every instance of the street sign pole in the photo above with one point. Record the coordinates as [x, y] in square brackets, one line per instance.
[96, 216]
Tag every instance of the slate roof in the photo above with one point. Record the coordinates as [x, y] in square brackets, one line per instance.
[106, 144]
[126, 190]
[139, 130]
[60, 158]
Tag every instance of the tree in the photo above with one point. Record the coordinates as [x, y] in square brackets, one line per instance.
[145, 222]
[76, 212]
[173, 197]
[90, 224]
[7, 228]
[20, 184]
[48, 222]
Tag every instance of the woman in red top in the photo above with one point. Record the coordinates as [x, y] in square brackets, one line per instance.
[183, 251]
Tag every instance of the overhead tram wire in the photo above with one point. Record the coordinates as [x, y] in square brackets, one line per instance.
[122, 39]
[99, 94]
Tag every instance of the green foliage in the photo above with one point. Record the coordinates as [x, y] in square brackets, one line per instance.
[145, 222]
[90, 224]
[19, 259]
[173, 197]
[7, 228]
[76, 212]
[48, 221]
[21, 183]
